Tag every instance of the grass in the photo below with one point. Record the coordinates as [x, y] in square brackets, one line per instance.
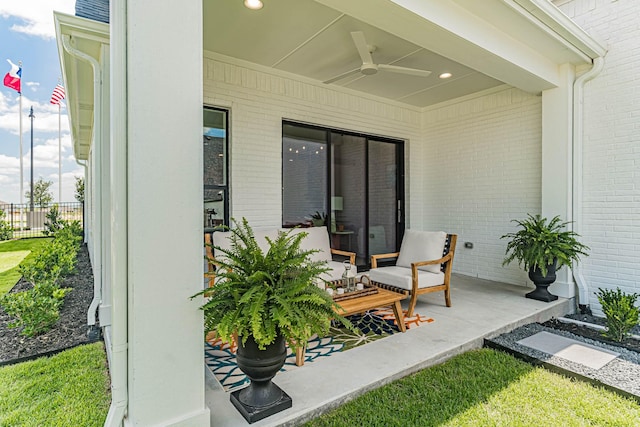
[8, 278]
[9, 260]
[68, 389]
[486, 388]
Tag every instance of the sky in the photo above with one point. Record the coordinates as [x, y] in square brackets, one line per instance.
[27, 34]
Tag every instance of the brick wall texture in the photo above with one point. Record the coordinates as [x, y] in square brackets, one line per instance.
[611, 203]
[472, 164]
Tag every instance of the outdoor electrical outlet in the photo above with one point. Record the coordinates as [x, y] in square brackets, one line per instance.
[468, 245]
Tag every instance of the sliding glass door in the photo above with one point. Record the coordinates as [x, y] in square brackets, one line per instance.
[352, 183]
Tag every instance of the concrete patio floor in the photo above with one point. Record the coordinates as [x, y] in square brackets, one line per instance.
[480, 309]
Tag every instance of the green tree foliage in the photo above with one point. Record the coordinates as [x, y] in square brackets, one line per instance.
[41, 193]
[54, 221]
[79, 189]
[6, 232]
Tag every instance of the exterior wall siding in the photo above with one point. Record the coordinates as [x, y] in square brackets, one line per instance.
[483, 169]
[260, 101]
[611, 138]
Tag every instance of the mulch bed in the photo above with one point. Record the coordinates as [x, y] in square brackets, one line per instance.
[69, 331]
[594, 334]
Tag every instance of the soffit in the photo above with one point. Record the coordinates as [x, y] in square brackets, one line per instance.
[87, 37]
[482, 46]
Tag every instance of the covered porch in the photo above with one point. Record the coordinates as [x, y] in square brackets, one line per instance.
[493, 143]
[480, 309]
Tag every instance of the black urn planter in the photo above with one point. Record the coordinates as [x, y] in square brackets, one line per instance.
[262, 397]
[541, 293]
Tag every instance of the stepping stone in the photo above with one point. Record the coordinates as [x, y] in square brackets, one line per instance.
[569, 349]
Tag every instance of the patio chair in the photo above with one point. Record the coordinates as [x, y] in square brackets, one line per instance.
[423, 265]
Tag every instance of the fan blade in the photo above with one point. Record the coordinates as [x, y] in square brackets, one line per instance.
[361, 45]
[342, 76]
[404, 70]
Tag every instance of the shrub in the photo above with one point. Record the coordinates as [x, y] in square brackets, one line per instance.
[620, 311]
[6, 232]
[54, 221]
[37, 309]
[72, 230]
[43, 266]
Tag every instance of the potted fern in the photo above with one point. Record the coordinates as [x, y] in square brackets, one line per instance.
[542, 246]
[265, 300]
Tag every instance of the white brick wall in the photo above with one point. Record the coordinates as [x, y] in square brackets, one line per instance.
[482, 169]
[611, 205]
[259, 101]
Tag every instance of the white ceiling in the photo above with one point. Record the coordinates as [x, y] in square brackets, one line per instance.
[306, 38]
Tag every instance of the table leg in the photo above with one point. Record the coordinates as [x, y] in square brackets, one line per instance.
[397, 311]
[300, 355]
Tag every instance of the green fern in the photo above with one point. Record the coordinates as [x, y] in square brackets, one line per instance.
[266, 294]
[539, 244]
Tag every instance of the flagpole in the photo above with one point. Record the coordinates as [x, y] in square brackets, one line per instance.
[59, 158]
[21, 167]
[21, 180]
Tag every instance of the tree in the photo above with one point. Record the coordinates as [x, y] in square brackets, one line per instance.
[41, 193]
[79, 189]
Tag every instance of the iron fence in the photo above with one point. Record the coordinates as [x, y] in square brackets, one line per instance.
[26, 221]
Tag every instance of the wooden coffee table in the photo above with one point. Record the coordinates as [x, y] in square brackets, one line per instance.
[383, 298]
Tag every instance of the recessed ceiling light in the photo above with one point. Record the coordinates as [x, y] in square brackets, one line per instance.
[445, 75]
[253, 4]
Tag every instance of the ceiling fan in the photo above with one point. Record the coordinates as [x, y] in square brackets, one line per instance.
[368, 67]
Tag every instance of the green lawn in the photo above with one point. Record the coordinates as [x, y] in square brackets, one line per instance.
[8, 251]
[486, 388]
[9, 260]
[68, 389]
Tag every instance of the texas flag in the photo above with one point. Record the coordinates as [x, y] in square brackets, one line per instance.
[12, 79]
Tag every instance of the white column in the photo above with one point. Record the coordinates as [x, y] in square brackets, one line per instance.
[557, 161]
[164, 182]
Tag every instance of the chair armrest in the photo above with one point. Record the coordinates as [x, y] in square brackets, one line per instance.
[375, 258]
[442, 260]
[351, 255]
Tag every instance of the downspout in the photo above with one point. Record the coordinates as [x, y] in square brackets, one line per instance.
[97, 81]
[84, 212]
[119, 251]
[578, 101]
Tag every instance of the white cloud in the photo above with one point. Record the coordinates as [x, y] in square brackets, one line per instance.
[33, 86]
[45, 115]
[36, 15]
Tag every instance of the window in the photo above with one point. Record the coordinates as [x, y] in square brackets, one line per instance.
[215, 145]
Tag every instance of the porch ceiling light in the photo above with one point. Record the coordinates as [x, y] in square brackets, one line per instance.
[253, 4]
[445, 75]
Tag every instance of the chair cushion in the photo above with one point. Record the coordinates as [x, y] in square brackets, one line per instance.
[317, 238]
[422, 246]
[400, 277]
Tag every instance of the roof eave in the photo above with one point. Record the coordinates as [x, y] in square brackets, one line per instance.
[86, 36]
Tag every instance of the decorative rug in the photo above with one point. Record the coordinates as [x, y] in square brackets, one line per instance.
[373, 325]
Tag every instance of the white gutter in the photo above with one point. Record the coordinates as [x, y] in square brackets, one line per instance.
[97, 81]
[119, 366]
[590, 325]
[553, 18]
[578, 120]
[83, 163]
